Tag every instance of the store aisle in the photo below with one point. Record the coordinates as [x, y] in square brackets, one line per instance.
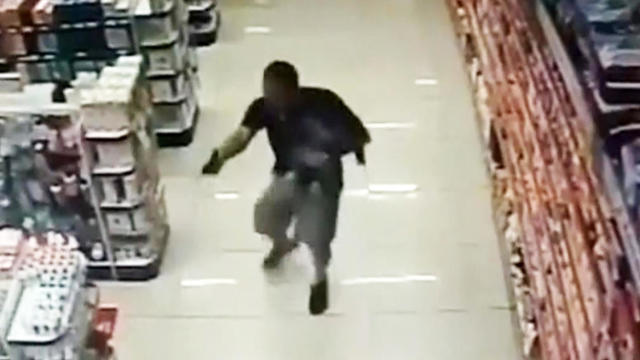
[416, 275]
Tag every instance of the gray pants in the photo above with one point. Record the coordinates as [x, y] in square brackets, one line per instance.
[312, 210]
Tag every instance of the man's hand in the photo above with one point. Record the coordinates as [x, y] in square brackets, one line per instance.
[213, 166]
[360, 156]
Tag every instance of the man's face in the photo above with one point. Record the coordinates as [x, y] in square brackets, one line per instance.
[279, 95]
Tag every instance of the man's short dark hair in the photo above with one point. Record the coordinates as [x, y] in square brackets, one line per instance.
[282, 72]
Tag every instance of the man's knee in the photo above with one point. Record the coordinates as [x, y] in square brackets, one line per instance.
[269, 218]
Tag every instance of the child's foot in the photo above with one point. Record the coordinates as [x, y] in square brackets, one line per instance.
[277, 253]
[319, 299]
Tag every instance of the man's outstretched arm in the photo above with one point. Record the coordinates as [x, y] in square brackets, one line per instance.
[238, 141]
[233, 145]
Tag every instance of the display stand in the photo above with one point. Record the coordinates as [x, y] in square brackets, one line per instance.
[566, 265]
[164, 41]
[131, 198]
[88, 168]
[52, 187]
[47, 308]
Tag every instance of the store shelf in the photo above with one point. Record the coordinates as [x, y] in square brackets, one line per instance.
[201, 6]
[611, 183]
[122, 205]
[178, 137]
[106, 135]
[560, 219]
[160, 43]
[135, 269]
[205, 33]
[113, 170]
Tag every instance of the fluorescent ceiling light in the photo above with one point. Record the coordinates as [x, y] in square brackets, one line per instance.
[257, 30]
[390, 125]
[426, 82]
[207, 282]
[393, 188]
[390, 279]
[227, 195]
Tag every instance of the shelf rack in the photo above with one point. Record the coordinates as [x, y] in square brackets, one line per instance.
[164, 42]
[204, 22]
[55, 41]
[124, 170]
[570, 294]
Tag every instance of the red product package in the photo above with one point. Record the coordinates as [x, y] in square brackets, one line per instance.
[13, 42]
[42, 13]
[10, 13]
[104, 324]
[24, 11]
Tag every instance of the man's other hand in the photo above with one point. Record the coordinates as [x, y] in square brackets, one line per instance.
[361, 158]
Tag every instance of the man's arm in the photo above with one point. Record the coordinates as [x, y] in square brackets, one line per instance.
[235, 143]
[238, 141]
[358, 135]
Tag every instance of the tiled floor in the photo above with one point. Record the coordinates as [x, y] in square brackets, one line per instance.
[212, 301]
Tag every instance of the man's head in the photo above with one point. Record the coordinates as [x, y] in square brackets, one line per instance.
[280, 85]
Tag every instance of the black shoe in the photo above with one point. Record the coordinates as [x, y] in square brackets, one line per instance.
[319, 299]
[277, 253]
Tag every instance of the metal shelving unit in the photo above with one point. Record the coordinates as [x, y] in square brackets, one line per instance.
[565, 248]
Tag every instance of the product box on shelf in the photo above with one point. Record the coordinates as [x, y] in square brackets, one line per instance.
[121, 190]
[42, 13]
[77, 11]
[112, 151]
[47, 41]
[119, 35]
[160, 26]
[10, 13]
[169, 58]
[106, 109]
[169, 88]
[12, 43]
[86, 37]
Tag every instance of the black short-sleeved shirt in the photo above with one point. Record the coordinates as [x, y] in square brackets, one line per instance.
[320, 121]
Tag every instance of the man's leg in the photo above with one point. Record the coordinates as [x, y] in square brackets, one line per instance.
[272, 217]
[317, 213]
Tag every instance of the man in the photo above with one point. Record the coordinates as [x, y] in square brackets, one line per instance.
[309, 130]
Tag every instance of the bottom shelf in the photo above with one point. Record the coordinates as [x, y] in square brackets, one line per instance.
[142, 269]
[204, 34]
[178, 138]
